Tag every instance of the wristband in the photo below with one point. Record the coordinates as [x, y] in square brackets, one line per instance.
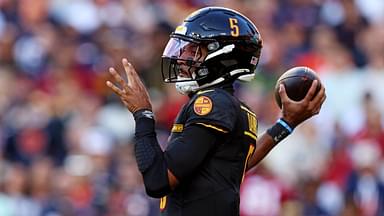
[285, 124]
[280, 130]
[143, 113]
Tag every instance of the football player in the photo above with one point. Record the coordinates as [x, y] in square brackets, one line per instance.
[213, 140]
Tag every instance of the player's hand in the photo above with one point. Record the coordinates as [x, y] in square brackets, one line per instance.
[296, 112]
[133, 93]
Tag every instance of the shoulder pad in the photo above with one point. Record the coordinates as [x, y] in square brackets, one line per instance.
[214, 109]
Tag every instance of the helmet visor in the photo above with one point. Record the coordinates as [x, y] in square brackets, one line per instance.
[182, 49]
[181, 59]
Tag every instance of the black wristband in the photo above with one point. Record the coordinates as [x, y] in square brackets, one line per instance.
[279, 130]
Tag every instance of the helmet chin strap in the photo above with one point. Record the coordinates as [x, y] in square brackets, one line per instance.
[186, 87]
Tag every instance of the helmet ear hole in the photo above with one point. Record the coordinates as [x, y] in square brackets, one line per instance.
[213, 46]
[202, 72]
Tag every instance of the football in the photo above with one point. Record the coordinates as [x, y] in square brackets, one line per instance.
[297, 82]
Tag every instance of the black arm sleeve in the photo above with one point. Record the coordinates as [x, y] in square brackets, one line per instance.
[182, 156]
[150, 158]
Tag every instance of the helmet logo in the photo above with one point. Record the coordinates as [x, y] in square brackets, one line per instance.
[202, 105]
[234, 27]
[181, 30]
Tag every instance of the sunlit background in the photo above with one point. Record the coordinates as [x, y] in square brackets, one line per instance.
[66, 140]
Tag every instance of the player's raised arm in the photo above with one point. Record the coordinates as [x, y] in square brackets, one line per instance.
[293, 114]
[158, 180]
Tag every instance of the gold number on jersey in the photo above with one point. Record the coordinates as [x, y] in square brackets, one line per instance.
[235, 28]
[163, 203]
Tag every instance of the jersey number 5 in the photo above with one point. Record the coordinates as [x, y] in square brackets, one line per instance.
[235, 28]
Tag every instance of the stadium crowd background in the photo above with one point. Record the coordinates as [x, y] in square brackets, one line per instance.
[66, 140]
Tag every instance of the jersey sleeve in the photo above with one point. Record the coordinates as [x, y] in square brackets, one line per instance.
[185, 154]
[213, 109]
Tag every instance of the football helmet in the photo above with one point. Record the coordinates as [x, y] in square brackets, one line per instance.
[213, 45]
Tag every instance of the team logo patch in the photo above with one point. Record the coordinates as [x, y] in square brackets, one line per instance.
[202, 105]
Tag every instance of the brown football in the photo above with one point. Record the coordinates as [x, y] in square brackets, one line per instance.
[297, 82]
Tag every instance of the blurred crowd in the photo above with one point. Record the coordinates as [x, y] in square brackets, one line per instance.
[66, 140]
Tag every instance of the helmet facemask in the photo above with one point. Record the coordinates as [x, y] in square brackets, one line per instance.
[182, 60]
[182, 63]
